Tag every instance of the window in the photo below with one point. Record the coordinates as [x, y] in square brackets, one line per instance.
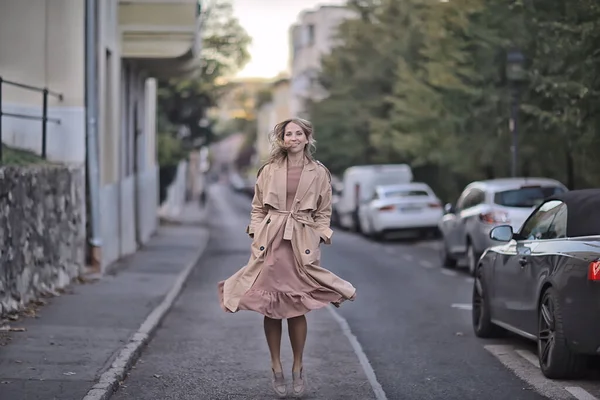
[310, 32]
[461, 201]
[471, 199]
[406, 193]
[296, 41]
[539, 224]
[478, 197]
[526, 197]
[558, 228]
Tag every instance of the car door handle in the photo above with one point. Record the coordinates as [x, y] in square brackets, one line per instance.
[523, 261]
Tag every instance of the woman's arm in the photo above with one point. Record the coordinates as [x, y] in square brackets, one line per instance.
[322, 215]
[258, 212]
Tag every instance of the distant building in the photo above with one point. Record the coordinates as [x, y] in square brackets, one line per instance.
[310, 38]
[269, 114]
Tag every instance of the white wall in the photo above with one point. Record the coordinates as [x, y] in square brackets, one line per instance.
[42, 44]
[147, 204]
[110, 228]
[128, 155]
[127, 217]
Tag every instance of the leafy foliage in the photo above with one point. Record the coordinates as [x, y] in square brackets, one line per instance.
[424, 82]
[14, 156]
[185, 101]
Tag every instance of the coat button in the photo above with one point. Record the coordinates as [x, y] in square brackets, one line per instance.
[262, 248]
[269, 221]
[307, 251]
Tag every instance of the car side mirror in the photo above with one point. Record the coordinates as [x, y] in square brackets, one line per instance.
[502, 233]
[449, 208]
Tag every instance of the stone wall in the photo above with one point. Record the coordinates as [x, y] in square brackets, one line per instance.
[42, 231]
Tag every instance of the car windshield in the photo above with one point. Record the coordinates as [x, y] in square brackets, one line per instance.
[406, 193]
[526, 197]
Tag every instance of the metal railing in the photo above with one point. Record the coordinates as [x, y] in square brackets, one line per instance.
[44, 117]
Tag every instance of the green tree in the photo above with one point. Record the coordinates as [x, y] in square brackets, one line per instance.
[424, 82]
[185, 101]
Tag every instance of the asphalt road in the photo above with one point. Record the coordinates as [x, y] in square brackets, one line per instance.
[407, 336]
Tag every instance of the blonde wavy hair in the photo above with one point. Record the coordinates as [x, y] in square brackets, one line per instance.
[276, 137]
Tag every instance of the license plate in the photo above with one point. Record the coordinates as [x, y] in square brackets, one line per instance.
[410, 209]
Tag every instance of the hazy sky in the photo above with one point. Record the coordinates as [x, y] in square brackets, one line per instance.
[268, 22]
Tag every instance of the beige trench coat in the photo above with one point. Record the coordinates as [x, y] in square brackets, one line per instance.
[306, 225]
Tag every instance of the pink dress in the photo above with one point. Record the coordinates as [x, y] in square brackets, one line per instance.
[283, 289]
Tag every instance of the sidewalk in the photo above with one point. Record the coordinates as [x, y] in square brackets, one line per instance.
[94, 331]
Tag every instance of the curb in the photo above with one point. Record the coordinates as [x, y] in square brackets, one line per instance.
[109, 381]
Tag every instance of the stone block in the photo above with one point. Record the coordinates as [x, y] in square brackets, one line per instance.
[42, 231]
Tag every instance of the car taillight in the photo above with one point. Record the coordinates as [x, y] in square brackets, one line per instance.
[494, 217]
[434, 205]
[387, 208]
[594, 271]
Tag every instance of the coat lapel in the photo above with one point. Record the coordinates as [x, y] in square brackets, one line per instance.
[306, 179]
[280, 182]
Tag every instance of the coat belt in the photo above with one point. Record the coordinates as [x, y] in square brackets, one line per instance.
[290, 217]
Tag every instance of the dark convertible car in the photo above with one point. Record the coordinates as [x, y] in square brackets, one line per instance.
[543, 283]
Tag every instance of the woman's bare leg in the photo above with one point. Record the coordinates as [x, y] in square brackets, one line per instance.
[297, 329]
[273, 335]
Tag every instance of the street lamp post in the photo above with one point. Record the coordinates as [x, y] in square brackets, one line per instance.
[515, 73]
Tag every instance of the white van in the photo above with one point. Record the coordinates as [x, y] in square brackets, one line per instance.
[359, 184]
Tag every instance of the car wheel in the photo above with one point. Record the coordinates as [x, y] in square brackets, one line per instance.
[556, 360]
[366, 228]
[373, 234]
[481, 315]
[447, 260]
[471, 259]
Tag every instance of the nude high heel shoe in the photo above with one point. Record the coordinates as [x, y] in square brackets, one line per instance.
[278, 384]
[299, 383]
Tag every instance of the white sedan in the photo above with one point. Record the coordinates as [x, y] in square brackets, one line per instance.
[402, 207]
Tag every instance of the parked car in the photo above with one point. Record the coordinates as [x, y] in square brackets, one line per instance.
[359, 184]
[543, 283]
[404, 207]
[483, 205]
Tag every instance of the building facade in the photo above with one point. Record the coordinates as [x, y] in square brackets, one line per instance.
[310, 38]
[271, 113]
[103, 57]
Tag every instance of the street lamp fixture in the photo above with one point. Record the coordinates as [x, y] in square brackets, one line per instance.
[515, 66]
[516, 74]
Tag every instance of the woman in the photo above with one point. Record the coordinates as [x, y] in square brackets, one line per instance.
[290, 217]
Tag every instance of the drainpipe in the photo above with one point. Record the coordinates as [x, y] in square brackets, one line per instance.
[91, 101]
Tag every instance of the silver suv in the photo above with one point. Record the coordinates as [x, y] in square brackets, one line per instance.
[482, 206]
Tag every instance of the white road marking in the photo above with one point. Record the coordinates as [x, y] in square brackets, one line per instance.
[579, 393]
[525, 371]
[426, 264]
[448, 272]
[408, 257]
[529, 356]
[429, 244]
[389, 250]
[362, 357]
[470, 279]
[514, 360]
[463, 306]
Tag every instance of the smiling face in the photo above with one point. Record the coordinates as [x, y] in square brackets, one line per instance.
[294, 138]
